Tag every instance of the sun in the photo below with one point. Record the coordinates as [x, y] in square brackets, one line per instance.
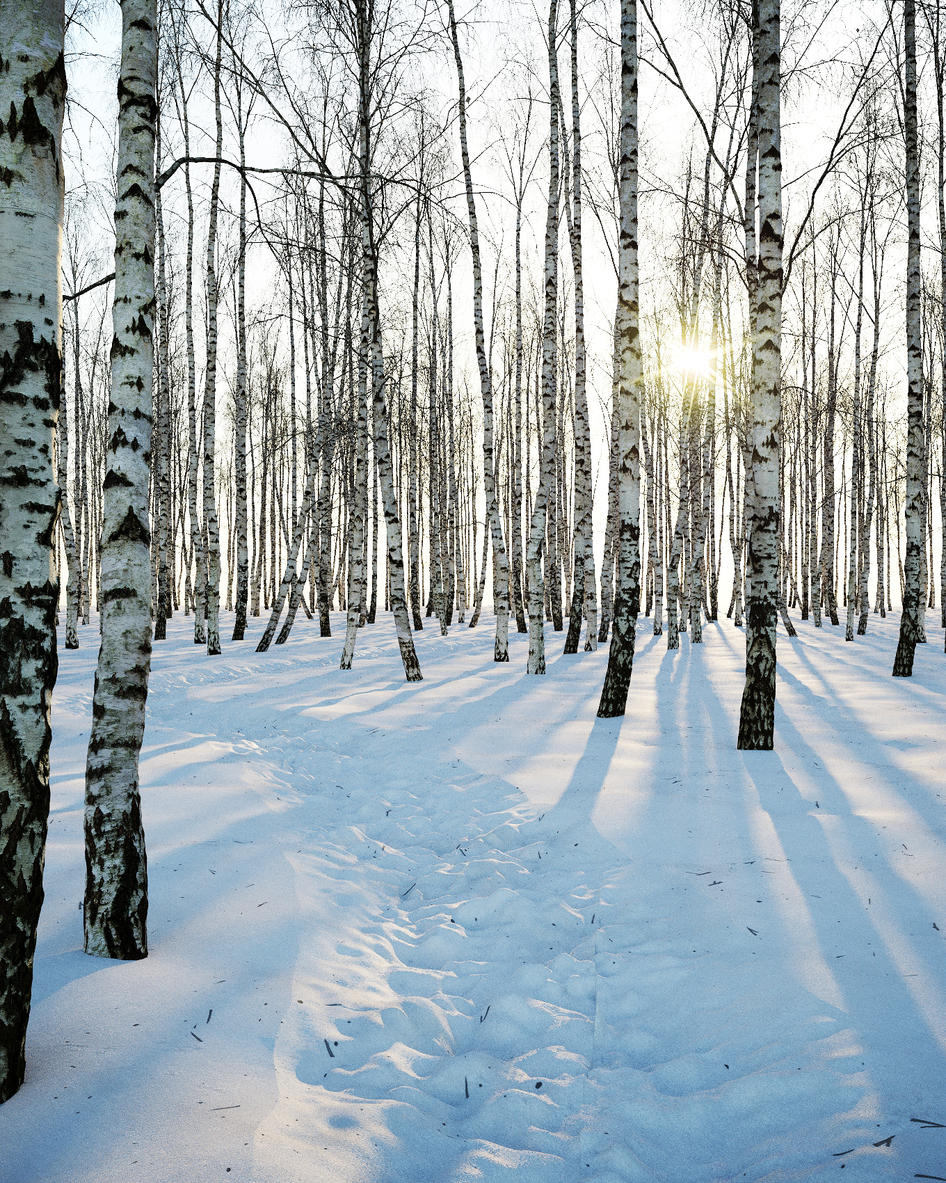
[694, 361]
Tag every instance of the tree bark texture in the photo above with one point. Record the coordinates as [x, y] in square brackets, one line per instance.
[617, 679]
[914, 600]
[32, 98]
[116, 885]
[494, 525]
[757, 715]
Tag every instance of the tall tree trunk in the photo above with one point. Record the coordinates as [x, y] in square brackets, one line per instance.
[377, 377]
[584, 600]
[211, 526]
[116, 881]
[915, 508]
[161, 462]
[359, 509]
[543, 505]
[617, 680]
[73, 590]
[32, 98]
[494, 525]
[240, 412]
[757, 715]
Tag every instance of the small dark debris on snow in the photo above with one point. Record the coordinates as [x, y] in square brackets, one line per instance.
[328, 1048]
[885, 1141]
[197, 1037]
[928, 1125]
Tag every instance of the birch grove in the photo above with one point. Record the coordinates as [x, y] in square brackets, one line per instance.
[495, 501]
[436, 321]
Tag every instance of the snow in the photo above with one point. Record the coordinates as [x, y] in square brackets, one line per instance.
[447, 931]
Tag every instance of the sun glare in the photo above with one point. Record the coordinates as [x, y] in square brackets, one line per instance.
[693, 361]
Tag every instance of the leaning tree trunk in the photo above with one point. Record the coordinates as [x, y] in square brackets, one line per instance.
[382, 435]
[32, 97]
[757, 715]
[617, 680]
[494, 525]
[915, 508]
[116, 883]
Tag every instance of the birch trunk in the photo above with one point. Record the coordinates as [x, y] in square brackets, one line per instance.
[240, 414]
[210, 378]
[584, 601]
[380, 422]
[494, 526]
[542, 506]
[757, 715]
[356, 526]
[69, 534]
[32, 98]
[116, 886]
[163, 533]
[617, 680]
[915, 509]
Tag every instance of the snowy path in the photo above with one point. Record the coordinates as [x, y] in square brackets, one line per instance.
[456, 929]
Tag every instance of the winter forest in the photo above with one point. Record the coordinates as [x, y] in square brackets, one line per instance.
[473, 476]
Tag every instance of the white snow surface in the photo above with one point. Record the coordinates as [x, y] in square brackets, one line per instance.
[463, 930]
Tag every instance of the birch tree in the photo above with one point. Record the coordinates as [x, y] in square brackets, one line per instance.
[757, 714]
[584, 601]
[116, 889]
[32, 97]
[211, 526]
[915, 509]
[538, 527]
[494, 524]
[629, 384]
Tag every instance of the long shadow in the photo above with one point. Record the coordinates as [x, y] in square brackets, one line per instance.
[867, 749]
[581, 794]
[894, 1040]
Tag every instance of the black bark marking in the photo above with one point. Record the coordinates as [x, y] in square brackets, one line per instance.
[131, 529]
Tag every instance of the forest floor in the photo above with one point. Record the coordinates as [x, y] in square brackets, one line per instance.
[445, 931]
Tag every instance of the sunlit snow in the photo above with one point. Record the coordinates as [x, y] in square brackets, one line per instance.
[461, 930]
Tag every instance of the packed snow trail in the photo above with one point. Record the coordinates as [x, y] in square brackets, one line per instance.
[438, 933]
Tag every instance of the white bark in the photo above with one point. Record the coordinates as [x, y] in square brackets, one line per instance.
[617, 680]
[32, 97]
[915, 508]
[116, 892]
[211, 526]
[494, 525]
[757, 717]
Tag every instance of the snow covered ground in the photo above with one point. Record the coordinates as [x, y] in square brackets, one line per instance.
[442, 932]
